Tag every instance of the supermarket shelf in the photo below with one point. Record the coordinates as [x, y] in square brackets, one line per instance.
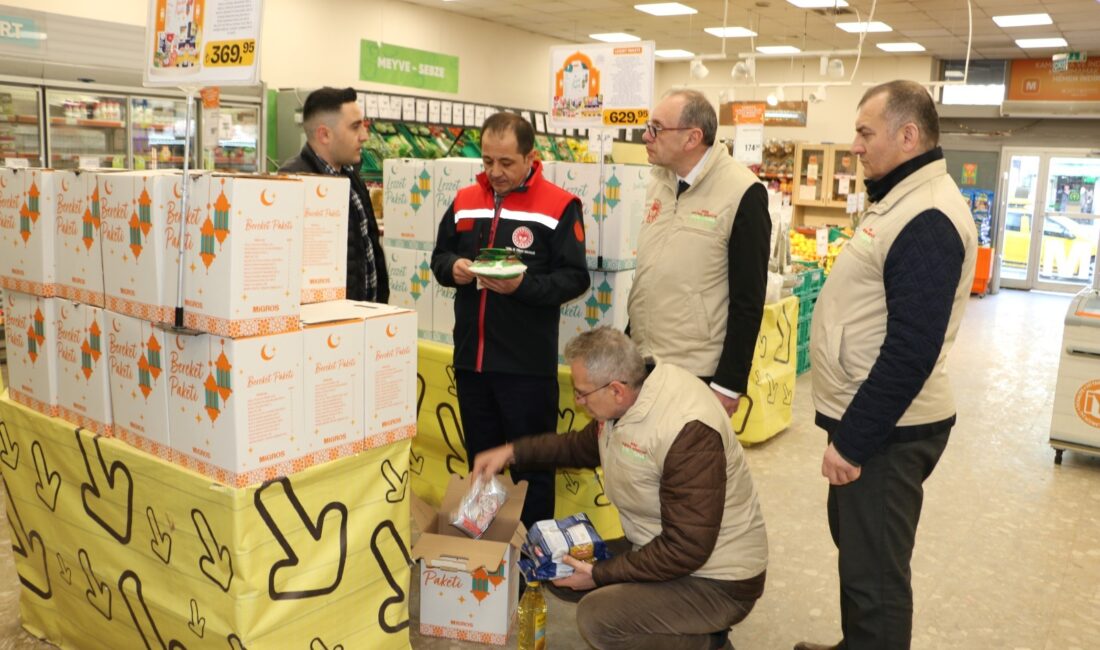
[19, 119]
[78, 156]
[18, 154]
[103, 124]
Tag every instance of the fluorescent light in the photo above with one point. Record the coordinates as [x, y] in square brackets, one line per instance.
[673, 54]
[1027, 43]
[1022, 20]
[729, 32]
[666, 9]
[901, 47]
[818, 4]
[614, 37]
[857, 28]
[778, 49]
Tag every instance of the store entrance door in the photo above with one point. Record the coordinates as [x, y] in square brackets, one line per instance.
[1049, 220]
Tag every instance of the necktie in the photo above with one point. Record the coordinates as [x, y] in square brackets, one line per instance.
[681, 187]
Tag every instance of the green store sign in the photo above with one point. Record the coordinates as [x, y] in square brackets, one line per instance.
[405, 66]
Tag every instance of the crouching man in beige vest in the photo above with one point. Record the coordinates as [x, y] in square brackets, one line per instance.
[882, 327]
[693, 560]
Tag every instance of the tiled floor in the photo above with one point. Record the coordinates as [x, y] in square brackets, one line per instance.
[1008, 554]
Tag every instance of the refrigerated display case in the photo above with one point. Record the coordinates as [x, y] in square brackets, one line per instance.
[238, 139]
[86, 130]
[157, 130]
[20, 128]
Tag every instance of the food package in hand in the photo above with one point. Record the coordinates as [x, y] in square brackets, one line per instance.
[479, 507]
[551, 540]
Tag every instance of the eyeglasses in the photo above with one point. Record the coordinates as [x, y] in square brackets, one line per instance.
[654, 130]
[578, 395]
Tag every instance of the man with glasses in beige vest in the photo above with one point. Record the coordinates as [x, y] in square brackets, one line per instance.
[693, 559]
[698, 293]
[882, 328]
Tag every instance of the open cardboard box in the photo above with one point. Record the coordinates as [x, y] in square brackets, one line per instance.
[469, 588]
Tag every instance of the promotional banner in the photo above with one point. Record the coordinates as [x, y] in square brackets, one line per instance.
[117, 549]
[203, 43]
[1033, 79]
[748, 137]
[601, 85]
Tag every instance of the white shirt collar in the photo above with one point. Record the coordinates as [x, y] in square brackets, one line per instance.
[696, 170]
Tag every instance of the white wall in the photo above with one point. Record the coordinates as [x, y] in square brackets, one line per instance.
[312, 43]
[829, 121]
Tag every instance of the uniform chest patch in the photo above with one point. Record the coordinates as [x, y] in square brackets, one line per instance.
[654, 211]
[522, 237]
[704, 217]
[634, 452]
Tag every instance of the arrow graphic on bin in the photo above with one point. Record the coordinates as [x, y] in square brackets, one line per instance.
[115, 482]
[129, 585]
[217, 563]
[24, 543]
[303, 573]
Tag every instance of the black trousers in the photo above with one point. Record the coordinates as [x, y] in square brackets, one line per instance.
[498, 408]
[874, 526]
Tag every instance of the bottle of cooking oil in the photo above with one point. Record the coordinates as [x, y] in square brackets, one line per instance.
[532, 619]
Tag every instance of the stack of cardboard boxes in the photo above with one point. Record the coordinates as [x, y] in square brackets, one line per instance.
[278, 372]
[419, 192]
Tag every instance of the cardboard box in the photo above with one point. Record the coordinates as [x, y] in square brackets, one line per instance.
[604, 303]
[30, 328]
[469, 588]
[334, 340]
[583, 180]
[324, 237]
[28, 223]
[78, 246]
[83, 382]
[244, 255]
[443, 314]
[236, 407]
[140, 228]
[449, 176]
[412, 284]
[140, 361]
[407, 204]
[624, 191]
[390, 371]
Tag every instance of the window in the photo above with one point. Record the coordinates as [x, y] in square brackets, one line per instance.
[985, 82]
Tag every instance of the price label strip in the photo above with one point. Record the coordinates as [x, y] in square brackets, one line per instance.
[625, 116]
[223, 54]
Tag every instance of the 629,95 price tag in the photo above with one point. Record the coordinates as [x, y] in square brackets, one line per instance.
[625, 117]
[220, 54]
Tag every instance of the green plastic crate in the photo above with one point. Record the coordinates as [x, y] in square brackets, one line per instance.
[803, 358]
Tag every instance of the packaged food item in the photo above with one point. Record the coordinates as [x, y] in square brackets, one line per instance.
[479, 507]
[497, 263]
[550, 540]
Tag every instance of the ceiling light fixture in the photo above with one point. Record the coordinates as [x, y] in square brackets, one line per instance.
[730, 32]
[861, 27]
[780, 95]
[1036, 43]
[673, 54]
[744, 70]
[778, 49]
[698, 70]
[836, 68]
[666, 9]
[614, 37]
[772, 99]
[901, 47]
[818, 4]
[1023, 20]
[818, 96]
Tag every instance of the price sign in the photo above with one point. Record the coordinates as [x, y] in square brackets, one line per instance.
[230, 53]
[625, 117]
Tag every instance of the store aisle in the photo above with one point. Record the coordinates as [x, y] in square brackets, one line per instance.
[1008, 554]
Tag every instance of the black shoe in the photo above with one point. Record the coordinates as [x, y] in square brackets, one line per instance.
[721, 641]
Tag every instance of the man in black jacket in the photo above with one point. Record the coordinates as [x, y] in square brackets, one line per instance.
[335, 134]
[506, 330]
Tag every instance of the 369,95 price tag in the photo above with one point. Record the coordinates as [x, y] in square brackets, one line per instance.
[230, 53]
[625, 117]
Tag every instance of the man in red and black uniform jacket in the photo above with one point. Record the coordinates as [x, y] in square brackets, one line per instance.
[506, 330]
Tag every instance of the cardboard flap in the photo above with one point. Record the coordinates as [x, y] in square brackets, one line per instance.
[330, 311]
[459, 553]
[423, 513]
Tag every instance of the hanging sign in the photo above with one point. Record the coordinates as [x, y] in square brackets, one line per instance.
[748, 137]
[405, 66]
[203, 43]
[1035, 79]
[601, 85]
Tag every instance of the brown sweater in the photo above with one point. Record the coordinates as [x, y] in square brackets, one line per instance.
[692, 493]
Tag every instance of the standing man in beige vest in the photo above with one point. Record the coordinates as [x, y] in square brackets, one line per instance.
[698, 293]
[882, 328]
[693, 559]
